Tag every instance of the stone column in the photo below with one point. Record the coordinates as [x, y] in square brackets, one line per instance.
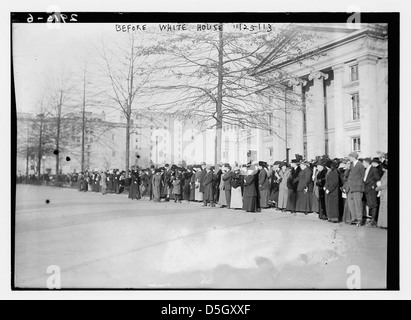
[297, 123]
[339, 118]
[382, 83]
[317, 147]
[367, 70]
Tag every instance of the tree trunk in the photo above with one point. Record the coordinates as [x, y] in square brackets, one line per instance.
[39, 154]
[219, 105]
[57, 151]
[127, 146]
[84, 124]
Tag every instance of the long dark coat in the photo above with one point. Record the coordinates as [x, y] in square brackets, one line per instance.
[332, 184]
[304, 197]
[208, 184]
[134, 187]
[250, 194]
[320, 182]
[264, 186]
[292, 189]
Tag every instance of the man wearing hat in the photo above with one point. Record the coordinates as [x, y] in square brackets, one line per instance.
[226, 181]
[292, 186]
[208, 187]
[167, 182]
[202, 177]
[376, 163]
[320, 192]
[371, 177]
[355, 189]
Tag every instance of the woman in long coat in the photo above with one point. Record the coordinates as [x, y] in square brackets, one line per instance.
[222, 201]
[283, 188]
[157, 181]
[382, 188]
[103, 183]
[236, 194]
[320, 181]
[250, 193]
[332, 188]
[198, 195]
[347, 217]
[187, 184]
[177, 188]
[134, 186]
[209, 187]
[292, 186]
[303, 188]
[193, 186]
[264, 186]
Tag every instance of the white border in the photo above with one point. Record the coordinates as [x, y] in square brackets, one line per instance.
[205, 6]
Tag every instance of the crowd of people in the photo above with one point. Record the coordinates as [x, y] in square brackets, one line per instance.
[350, 190]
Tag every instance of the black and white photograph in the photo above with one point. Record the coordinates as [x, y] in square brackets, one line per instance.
[180, 151]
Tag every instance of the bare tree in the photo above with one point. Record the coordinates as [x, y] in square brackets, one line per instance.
[125, 66]
[213, 75]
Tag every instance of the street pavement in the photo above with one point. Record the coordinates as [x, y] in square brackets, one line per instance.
[110, 241]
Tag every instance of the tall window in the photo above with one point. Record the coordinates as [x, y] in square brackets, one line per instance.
[270, 123]
[270, 152]
[113, 153]
[354, 73]
[355, 106]
[356, 144]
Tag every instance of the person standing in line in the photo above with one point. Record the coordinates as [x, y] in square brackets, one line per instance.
[250, 194]
[304, 181]
[383, 192]
[283, 188]
[157, 181]
[198, 193]
[227, 176]
[332, 192]
[193, 184]
[217, 180]
[208, 187]
[167, 182]
[355, 189]
[320, 183]
[133, 186]
[222, 201]
[263, 184]
[292, 186]
[103, 182]
[371, 177]
[176, 181]
[202, 177]
[376, 163]
[275, 179]
[237, 181]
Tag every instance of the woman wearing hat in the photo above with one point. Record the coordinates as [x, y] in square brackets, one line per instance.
[283, 188]
[303, 188]
[332, 189]
[192, 184]
[157, 181]
[237, 181]
[198, 176]
[134, 192]
[292, 186]
[250, 193]
[320, 192]
[264, 185]
[383, 192]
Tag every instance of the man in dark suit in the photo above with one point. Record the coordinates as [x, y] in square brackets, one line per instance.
[208, 187]
[227, 184]
[355, 189]
[371, 177]
[202, 176]
[217, 183]
[376, 163]
[167, 182]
